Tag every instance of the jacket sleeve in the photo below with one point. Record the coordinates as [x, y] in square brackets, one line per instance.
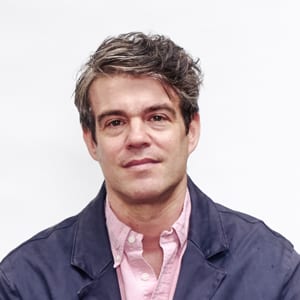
[291, 290]
[7, 292]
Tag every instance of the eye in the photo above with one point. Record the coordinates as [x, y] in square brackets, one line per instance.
[158, 118]
[114, 123]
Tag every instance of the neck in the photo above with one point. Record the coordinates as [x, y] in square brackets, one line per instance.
[149, 219]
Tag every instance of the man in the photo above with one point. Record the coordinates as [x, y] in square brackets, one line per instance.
[150, 233]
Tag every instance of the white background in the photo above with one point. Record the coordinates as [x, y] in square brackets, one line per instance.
[248, 156]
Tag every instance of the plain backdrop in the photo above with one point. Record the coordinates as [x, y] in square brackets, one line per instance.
[248, 155]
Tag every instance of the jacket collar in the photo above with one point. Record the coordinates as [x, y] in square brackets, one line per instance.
[200, 276]
[91, 247]
[206, 228]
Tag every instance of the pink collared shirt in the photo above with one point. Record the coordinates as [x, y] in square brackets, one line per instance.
[136, 277]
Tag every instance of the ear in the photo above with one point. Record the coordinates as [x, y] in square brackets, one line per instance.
[90, 143]
[194, 132]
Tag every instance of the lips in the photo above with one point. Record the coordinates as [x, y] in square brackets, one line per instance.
[140, 162]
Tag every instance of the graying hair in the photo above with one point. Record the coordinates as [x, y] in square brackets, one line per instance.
[138, 54]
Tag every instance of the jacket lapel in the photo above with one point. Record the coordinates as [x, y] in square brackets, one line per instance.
[106, 287]
[200, 275]
[92, 253]
[198, 279]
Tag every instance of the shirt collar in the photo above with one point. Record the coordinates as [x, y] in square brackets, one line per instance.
[181, 226]
[119, 232]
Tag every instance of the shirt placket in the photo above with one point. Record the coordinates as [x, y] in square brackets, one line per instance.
[142, 271]
[169, 243]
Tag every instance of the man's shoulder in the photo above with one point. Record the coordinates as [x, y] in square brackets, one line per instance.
[50, 258]
[251, 241]
[47, 250]
[236, 225]
[239, 225]
[245, 248]
[241, 234]
[52, 238]
[48, 242]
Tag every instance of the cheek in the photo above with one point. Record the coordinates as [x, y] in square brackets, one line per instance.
[107, 150]
[173, 141]
[177, 141]
[167, 139]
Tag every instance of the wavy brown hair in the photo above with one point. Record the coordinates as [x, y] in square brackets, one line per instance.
[138, 54]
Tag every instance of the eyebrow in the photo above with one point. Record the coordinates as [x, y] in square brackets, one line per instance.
[161, 107]
[153, 108]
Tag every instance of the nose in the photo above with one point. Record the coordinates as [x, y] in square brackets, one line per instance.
[137, 135]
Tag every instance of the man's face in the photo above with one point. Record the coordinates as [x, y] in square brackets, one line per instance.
[142, 145]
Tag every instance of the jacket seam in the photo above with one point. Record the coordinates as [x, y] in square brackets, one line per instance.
[253, 221]
[8, 282]
[37, 238]
[291, 270]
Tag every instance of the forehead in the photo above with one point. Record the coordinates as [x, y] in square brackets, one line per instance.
[129, 93]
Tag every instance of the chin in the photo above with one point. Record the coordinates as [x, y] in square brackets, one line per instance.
[146, 193]
[142, 194]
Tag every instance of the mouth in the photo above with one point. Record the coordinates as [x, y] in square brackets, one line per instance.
[140, 162]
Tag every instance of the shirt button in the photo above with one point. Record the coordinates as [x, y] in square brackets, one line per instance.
[131, 239]
[145, 276]
[118, 258]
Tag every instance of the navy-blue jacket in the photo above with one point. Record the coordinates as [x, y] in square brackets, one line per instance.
[229, 256]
